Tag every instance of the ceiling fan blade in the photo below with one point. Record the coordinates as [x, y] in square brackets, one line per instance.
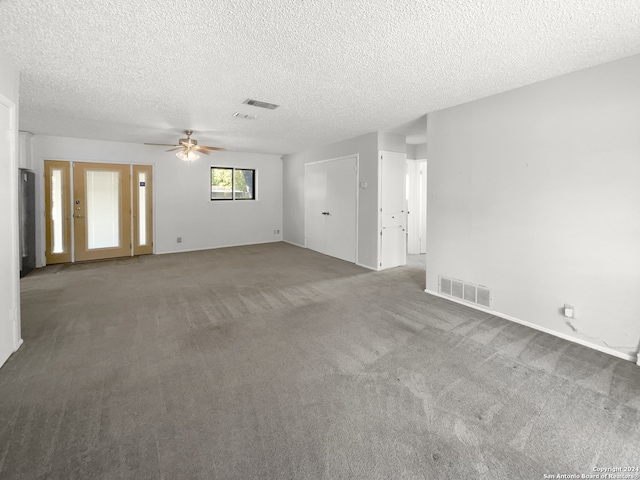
[200, 150]
[174, 149]
[163, 144]
[212, 148]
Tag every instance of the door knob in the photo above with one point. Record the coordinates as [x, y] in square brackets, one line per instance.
[78, 216]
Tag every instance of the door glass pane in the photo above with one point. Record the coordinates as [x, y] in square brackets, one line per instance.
[142, 208]
[57, 211]
[103, 209]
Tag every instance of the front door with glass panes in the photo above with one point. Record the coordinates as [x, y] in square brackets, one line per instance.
[100, 210]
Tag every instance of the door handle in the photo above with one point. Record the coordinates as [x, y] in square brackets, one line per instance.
[326, 213]
[77, 216]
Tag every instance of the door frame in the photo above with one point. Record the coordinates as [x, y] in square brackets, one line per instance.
[10, 323]
[357, 192]
[71, 164]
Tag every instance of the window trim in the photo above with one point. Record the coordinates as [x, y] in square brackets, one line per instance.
[233, 198]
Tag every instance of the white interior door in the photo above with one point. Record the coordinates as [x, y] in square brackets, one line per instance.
[393, 182]
[315, 207]
[393, 215]
[341, 209]
[393, 253]
[330, 207]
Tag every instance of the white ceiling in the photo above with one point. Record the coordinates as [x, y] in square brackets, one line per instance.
[143, 71]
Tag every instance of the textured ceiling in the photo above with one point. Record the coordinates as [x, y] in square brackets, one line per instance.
[145, 70]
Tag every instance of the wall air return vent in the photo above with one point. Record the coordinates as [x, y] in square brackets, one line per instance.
[465, 291]
[456, 288]
[484, 297]
[445, 286]
[258, 103]
[470, 293]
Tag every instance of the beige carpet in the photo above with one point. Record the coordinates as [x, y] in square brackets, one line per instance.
[275, 362]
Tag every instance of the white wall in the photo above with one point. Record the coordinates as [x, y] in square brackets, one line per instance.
[10, 337]
[411, 152]
[417, 151]
[390, 142]
[535, 193]
[25, 159]
[182, 207]
[366, 147]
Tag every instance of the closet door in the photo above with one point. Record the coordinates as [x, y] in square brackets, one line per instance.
[330, 207]
[341, 209]
[315, 207]
[393, 218]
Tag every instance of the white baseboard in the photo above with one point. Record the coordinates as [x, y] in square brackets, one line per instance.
[358, 264]
[293, 243]
[369, 267]
[564, 336]
[217, 246]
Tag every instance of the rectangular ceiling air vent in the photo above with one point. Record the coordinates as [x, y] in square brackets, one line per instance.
[258, 103]
[465, 291]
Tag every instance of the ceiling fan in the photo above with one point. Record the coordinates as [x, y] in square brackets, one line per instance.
[188, 147]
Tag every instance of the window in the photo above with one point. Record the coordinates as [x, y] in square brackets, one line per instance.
[233, 183]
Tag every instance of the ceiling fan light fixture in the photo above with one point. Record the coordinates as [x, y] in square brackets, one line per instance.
[187, 155]
[188, 147]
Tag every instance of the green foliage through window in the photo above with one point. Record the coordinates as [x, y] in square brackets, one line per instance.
[232, 183]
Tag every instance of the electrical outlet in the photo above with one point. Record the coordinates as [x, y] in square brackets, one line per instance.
[179, 240]
[568, 311]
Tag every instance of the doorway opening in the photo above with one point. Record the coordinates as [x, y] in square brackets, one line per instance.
[417, 208]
